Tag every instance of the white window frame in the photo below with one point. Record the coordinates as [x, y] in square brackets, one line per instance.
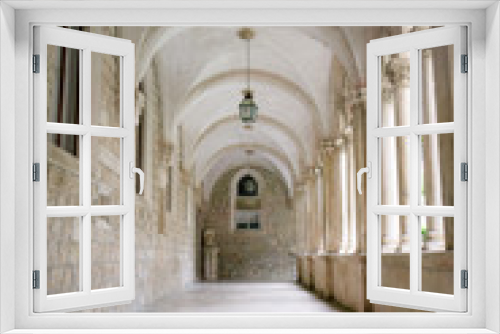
[483, 102]
[414, 43]
[86, 43]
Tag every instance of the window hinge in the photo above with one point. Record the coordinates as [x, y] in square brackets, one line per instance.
[464, 171]
[465, 64]
[36, 279]
[465, 279]
[36, 172]
[36, 63]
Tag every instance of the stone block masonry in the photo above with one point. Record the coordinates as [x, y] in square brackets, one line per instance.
[254, 255]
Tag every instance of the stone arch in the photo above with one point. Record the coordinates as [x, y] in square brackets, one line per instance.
[196, 93]
[256, 147]
[305, 156]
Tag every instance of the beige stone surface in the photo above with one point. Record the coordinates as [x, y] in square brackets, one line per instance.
[254, 254]
[243, 297]
[308, 144]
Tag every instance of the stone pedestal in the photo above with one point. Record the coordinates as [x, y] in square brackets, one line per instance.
[211, 263]
[210, 256]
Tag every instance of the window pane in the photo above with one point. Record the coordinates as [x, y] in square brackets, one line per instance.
[395, 89]
[394, 252]
[63, 85]
[106, 171]
[437, 166]
[394, 170]
[63, 255]
[106, 234]
[246, 219]
[106, 76]
[63, 170]
[437, 84]
[437, 254]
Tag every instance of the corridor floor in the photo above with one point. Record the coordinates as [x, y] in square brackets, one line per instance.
[243, 297]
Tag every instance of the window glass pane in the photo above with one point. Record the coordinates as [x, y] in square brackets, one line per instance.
[63, 85]
[437, 84]
[394, 170]
[247, 219]
[437, 167]
[63, 170]
[395, 89]
[63, 255]
[395, 252]
[437, 254]
[106, 234]
[106, 77]
[106, 171]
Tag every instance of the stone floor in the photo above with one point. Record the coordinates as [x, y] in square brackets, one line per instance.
[243, 297]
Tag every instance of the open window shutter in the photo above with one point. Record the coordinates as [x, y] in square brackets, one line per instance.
[83, 245]
[416, 145]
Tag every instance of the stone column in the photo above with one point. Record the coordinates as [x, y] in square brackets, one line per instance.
[443, 73]
[344, 182]
[210, 256]
[313, 210]
[432, 193]
[359, 146]
[320, 222]
[402, 112]
[351, 191]
[311, 205]
[334, 223]
[300, 216]
[396, 82]
[327, 151]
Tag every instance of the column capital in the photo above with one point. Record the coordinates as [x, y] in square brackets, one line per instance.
[340, 141]
[360, 93]
[318, 170]
[300, 186]
[397, 72]
[308, 174]
[327, 146]
[313, 171]
[355, 94]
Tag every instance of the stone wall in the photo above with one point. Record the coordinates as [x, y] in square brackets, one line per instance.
[164, 224]
[254, 254]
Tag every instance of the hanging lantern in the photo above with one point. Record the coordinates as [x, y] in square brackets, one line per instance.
[248, 107]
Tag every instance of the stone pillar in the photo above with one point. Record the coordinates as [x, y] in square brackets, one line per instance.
[402, 82]
[351, 191]
[210, 256]
[359, 146]
[443, 72]
[300, 216]
[334, 219]
[320, 222]
[432, 193]
[312, 197]
[396, 82]
[344, 193]
[211, 263]
[327, 152]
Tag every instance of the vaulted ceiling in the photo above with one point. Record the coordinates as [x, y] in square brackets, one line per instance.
[202, 73]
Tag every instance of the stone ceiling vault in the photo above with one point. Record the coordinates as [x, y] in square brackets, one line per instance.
[202, 72]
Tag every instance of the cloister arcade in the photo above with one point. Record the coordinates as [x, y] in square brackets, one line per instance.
[308, 142]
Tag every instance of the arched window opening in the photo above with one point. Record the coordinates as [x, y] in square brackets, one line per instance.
[248, 186]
